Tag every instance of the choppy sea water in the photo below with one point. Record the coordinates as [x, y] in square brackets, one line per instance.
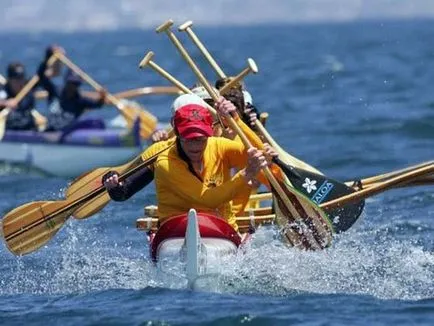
[351, 99]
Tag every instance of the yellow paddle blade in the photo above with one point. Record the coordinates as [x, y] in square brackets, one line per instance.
[148, 124]
[133, 110]
[30, 226]
[90, 181]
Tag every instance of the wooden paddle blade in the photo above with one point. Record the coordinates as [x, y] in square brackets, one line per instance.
[92, 206]
[148, 124]
[85, 184]
[30, 226]
[304, 224]
[90, 181]
[320, 188]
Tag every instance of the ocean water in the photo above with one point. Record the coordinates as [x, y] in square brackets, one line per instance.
[353, 100]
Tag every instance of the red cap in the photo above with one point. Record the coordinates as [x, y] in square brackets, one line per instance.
[193, 120]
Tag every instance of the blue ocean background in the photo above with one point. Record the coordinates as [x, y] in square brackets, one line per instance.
[352, 99]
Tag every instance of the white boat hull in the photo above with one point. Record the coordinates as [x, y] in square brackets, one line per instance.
[64, 160]
[199, 255]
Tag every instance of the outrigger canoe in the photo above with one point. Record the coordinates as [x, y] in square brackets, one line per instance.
[68, 154]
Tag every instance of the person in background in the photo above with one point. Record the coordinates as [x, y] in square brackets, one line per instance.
[241, 99]
[68, 104]
[20, 117]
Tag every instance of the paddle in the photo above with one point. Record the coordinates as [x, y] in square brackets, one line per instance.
[90, 181]
[187, 28]
[382, 177]
[18, 98]
[304, 224]
[320, 188]
[424, 180]
[148, 122]
[284, 156]
[130, 93]
[370, 191]
[30, 226]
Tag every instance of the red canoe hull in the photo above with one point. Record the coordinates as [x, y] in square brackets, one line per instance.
[210, 226]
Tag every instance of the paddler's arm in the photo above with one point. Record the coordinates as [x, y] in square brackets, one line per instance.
[121, 191]
[88, 103]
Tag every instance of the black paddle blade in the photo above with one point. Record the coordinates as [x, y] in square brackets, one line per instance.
[320, 188]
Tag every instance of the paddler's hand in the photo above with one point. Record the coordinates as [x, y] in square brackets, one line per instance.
[225, 107]
[270, 153]
[251, 115]
[159, 135]
[255, 162]
[102, 92]
[54, 48]
[11, 103]
[56, 68]
[111, 180]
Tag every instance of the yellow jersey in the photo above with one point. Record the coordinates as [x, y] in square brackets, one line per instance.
[178, 189]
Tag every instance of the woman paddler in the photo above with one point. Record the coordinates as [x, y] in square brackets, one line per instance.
[196, 171]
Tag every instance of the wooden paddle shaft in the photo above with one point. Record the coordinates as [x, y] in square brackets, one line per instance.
[88, 79]
[251, 68]
[66, 207]
[382, 177]
[147, 61]
[359, 195]
[270, 177]
[130, 93]
[187, 28]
